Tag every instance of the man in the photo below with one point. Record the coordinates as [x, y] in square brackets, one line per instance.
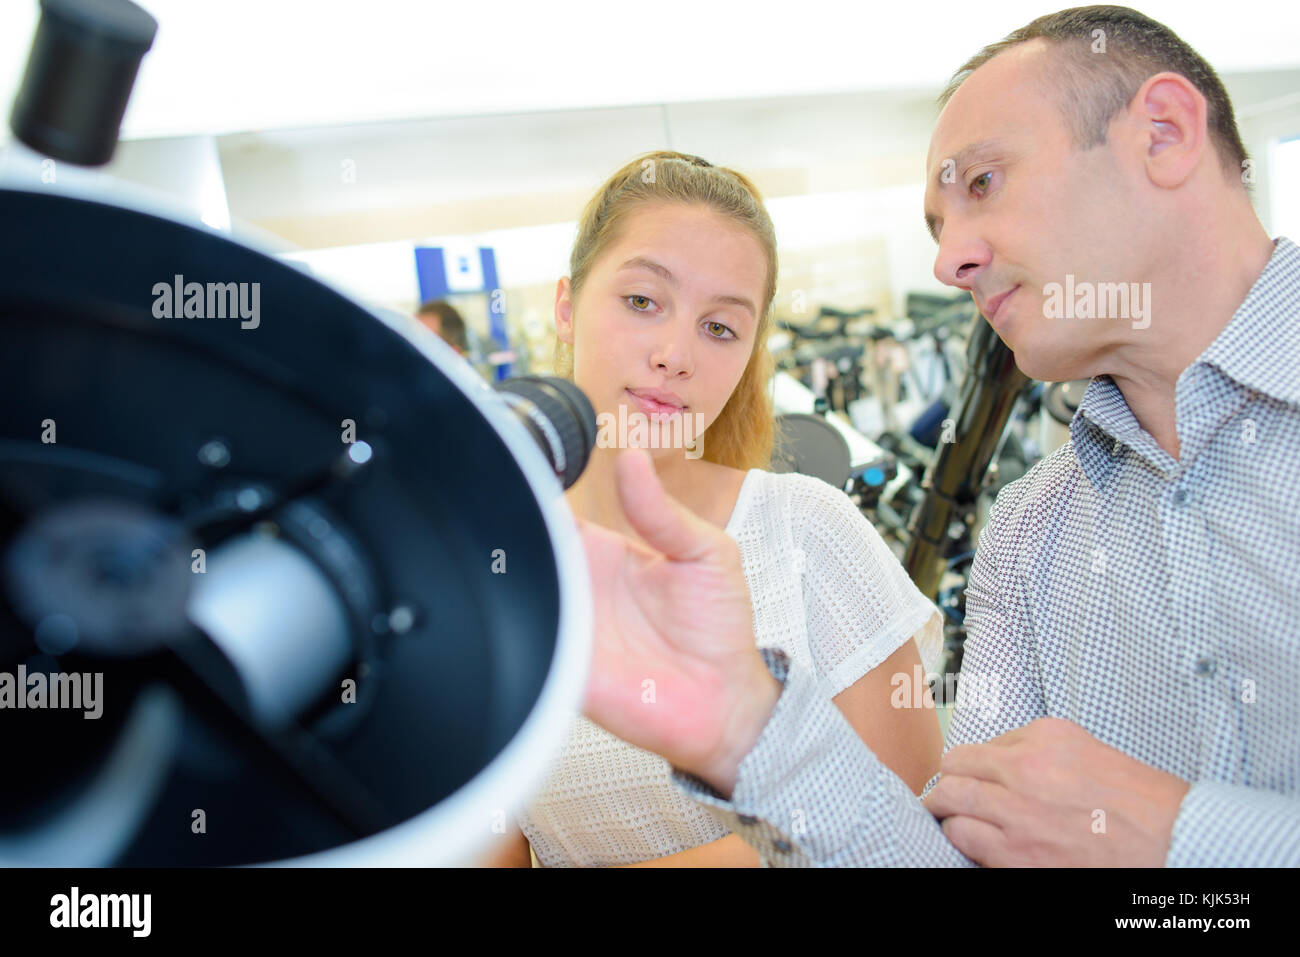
[1131, 666]
[441, 317]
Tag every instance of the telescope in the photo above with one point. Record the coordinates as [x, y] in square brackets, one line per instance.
[282, 580]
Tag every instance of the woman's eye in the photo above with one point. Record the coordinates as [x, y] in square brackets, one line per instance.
[984, 179]
[640, 303]
[717, 330]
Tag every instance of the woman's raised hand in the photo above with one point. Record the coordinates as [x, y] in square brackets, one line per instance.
[675, 668]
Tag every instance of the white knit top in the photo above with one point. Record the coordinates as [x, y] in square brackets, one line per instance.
[826, 590]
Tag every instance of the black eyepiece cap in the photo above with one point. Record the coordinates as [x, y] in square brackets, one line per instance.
[80, 72]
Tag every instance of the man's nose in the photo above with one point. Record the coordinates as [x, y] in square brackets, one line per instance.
[961, 257]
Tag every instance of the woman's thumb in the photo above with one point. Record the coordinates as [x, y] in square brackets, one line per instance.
[666, 525]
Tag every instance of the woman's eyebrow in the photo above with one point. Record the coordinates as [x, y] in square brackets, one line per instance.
[640, 262]
[738, 301]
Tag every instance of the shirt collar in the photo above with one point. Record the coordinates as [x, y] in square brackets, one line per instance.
[1102, 426]
[1259, 348]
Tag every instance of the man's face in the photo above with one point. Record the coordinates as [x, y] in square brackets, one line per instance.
[433, 322]
[1016, 206]
[671, 305]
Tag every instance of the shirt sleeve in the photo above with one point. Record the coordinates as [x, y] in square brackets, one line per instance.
[999, 687]
[1230, 825]
[811, 793]
[859, 604]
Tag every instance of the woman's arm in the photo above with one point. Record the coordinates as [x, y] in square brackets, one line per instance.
[907, 740]
[729, 851]
[510, 850]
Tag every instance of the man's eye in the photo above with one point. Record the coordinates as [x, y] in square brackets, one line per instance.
[981, 182]
[712, 326]
[640, 303]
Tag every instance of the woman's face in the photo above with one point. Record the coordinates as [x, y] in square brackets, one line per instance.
[666, 320]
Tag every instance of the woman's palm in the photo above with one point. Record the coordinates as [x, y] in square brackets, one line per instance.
[673, 633]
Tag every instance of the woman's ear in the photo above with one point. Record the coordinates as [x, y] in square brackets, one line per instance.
[564, 311]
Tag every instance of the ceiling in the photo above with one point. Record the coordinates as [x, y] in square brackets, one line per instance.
[250, 65]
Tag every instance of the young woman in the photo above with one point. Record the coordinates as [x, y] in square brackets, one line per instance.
[666, 312]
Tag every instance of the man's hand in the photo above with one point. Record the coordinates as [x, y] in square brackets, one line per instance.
[675, 668]
[1050, 794]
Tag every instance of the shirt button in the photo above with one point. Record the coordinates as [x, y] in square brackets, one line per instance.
[1182, 496]
[1205, 666]
[748, 820]
[782, 846]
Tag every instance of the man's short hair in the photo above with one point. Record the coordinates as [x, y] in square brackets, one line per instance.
[1107, 54]
[450, 324]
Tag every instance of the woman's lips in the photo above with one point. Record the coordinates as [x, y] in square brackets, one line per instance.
[652, 407]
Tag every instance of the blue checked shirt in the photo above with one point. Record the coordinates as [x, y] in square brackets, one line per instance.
[1153, 601]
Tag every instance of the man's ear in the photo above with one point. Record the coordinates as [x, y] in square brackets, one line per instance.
[564, 311]
[1171, 115]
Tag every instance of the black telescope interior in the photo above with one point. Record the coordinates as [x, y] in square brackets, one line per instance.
[129, 441]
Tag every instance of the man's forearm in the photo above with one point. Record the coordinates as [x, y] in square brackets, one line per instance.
[811, 793]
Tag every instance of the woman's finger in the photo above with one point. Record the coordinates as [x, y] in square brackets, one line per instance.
[666, 525]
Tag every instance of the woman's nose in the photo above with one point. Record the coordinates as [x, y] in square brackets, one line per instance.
[672, 354]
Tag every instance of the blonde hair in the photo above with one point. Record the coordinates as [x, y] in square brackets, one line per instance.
[742, 435]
